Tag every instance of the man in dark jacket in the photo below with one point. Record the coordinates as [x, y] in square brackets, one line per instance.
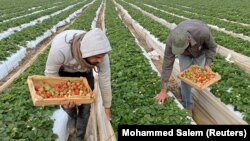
[193, 43]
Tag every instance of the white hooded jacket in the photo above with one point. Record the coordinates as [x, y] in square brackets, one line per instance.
[94, 42]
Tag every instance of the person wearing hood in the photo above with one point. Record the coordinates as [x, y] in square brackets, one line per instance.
[192, 42]
[76, 53]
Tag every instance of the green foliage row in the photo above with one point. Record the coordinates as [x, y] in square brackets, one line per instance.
[134, 83]
[19, 119]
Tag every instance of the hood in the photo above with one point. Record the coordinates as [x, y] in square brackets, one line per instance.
[94, 42]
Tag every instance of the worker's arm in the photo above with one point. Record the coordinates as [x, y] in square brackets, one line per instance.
[105, 84]
[211, 48]
[167, 68]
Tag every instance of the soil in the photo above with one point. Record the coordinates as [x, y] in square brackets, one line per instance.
[100, 20]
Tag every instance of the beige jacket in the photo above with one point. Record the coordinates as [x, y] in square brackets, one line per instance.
[60, 55]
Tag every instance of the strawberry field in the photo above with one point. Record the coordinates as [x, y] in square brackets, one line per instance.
[28, 26]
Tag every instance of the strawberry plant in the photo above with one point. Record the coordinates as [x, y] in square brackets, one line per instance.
[134, 83]
[19, 119]
[228, 89]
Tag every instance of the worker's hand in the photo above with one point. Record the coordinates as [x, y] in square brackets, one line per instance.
[108, 113]
[71, 104]
[208, 69]
[162, 96]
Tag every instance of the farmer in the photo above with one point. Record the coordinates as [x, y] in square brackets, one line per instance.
[76, 53]
[193, 43]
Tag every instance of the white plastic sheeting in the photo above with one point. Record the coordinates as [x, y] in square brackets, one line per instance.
[154, 55]
[39, 39]
[93, 25]
[160, 20]
[244, 37]
[59, 24]
[229, 56]
[147, 56]
[67, 20]
[60, 118]
[4, 70]
[239, 114]
[98, 128]
[150, 39]
[12, 62]
[34, 22]
[28, 14]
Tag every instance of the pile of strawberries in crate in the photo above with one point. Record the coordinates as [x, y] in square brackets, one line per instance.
[199, 77]
[61, 90]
